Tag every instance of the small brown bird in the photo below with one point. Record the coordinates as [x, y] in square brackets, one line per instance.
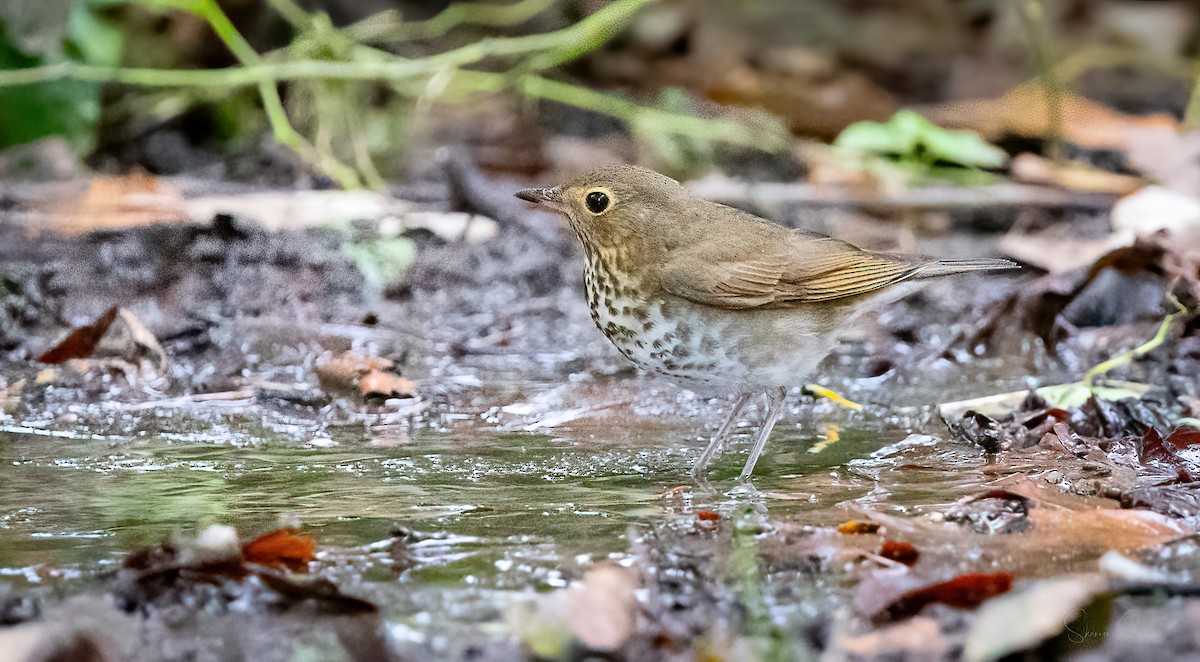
[715, 296]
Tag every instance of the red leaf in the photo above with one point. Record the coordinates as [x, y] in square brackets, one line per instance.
[281, 549]
[900, 552]
[1154, 448]
[81, 342]
[963, 592]
[1183, 437]
[708, 515]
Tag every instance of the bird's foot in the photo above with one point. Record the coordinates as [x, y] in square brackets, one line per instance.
[816, 390]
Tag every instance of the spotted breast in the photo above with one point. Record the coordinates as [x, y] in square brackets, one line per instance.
[645, 331]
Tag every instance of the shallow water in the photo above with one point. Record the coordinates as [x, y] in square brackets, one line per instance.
[505, 510]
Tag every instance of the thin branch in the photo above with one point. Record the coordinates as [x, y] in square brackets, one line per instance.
[389, 27]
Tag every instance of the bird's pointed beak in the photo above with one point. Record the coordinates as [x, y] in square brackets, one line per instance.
[541, 196]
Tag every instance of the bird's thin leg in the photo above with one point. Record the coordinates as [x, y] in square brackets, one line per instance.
[722, 435]
[775, 400]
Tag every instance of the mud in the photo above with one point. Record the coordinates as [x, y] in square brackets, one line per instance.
[531, 454]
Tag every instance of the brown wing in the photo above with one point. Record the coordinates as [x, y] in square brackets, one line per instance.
[787, 269]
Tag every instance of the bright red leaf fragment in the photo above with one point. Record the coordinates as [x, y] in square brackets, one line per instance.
[281, 549]
[963, 592]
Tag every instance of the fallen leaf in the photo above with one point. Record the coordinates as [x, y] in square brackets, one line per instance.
[708, 515]
[1034, 169]
[812, 106]
[1153, 448]
[918, 638]
[1154, 209]
[1021, 620]
[853, 527]
[10, 394]
[1168, 157]
[281, 549]
[1026, 112]
[380, 384]
[363, 376]
[966, 591]
[117, 201]
[900, 552]
[1069, 528]
[211, 571]
[598, 612]
[81, 341]
[118, 333]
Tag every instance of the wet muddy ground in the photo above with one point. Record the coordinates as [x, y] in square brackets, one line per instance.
[531, 495]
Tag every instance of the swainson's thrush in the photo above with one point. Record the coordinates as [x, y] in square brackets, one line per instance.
[715, 296]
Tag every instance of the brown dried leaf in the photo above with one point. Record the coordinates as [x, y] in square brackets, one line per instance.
[900, 552]
[1033, 169]
[600, 610]
[1026, 112]
[966, 591]
[119, 201]
[379, 384]
[10, 394]
[364, 376]
[118, 333]
[281, 549]
[81, 342]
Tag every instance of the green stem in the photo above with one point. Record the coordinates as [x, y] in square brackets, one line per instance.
[389, 27]
[256, 71]
[281, 127]
[477, 81]
[1150, 345]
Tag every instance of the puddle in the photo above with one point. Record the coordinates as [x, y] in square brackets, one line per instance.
[72, 506]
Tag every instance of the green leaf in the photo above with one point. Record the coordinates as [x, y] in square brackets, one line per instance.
[909, 137]
[1067, 396]
[874, 138]
[383, 262]
[95, 38]
[962, 147]
[58, 108]
[66, 108]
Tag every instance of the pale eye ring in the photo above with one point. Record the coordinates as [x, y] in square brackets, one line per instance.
[597, 201]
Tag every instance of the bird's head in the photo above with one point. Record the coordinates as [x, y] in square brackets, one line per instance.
[620, 205]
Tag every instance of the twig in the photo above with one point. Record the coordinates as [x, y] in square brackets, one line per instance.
[730, 191]
[389, 27]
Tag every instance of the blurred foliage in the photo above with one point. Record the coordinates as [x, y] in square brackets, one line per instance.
[910, 138]
[68, 108]
[350, 100]
[921, 148]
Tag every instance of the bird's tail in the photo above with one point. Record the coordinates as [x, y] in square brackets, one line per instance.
[946, 267]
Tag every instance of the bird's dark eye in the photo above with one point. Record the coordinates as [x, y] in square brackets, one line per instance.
[596, 201]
